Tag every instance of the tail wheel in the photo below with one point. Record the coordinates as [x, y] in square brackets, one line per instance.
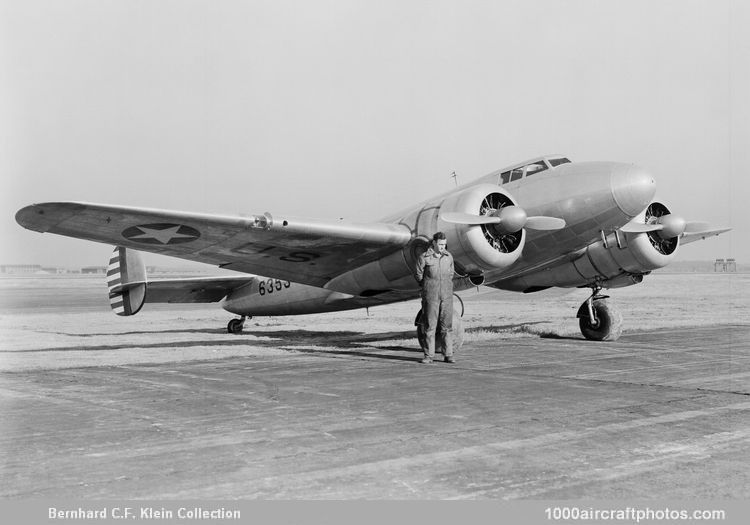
[608, 326]
[235, 326]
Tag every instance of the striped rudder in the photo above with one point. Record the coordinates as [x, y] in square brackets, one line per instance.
[126, 280]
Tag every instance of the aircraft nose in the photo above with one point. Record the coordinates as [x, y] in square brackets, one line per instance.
[633, 188]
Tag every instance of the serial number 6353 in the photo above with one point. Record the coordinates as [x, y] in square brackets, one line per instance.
[270, 285]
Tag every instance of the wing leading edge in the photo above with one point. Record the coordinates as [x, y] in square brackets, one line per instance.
[306, 251]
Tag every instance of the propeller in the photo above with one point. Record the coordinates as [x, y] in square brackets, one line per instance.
[506, 220]
[668, 226]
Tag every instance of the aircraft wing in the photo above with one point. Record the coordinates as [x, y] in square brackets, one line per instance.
[306, 251]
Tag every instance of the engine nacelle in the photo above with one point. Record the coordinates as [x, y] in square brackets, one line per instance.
[634, 253]
[475, 248]
[619, 259]
[481, 248]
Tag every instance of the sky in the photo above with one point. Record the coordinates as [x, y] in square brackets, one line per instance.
[357, 109]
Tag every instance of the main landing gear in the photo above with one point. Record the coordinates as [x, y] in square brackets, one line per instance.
[598, 319]
[235, 326]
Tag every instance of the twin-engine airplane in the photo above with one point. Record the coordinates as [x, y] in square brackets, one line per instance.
[544, 223]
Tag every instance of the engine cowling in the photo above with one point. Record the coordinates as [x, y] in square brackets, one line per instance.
[482, 247]
[619, 259]
[636, 253]
[622, 258]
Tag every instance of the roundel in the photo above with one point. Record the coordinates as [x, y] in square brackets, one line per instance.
[161, 233]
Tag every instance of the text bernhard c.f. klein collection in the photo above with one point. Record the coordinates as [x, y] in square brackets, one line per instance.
[145, 513]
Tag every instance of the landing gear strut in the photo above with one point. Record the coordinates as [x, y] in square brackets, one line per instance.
[235, 326]
[598, 319]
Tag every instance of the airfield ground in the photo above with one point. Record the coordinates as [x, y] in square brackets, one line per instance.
[167, 405]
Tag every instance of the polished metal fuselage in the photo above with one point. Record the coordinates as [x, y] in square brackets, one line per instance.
[594, 199]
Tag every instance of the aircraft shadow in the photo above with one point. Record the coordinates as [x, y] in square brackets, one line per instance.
[349, 343]
[342, 343]
[563, 337]
[140, 332]
[501, 327]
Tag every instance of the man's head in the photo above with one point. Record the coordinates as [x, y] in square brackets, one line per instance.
[439, 242]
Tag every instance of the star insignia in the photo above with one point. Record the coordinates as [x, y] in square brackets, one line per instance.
[164, 236]
[161, 234]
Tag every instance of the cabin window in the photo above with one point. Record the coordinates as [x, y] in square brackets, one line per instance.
[557, 162]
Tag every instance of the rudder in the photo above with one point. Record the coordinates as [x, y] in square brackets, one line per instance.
[126, 281]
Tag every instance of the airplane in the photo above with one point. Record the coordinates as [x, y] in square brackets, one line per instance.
[543, 223]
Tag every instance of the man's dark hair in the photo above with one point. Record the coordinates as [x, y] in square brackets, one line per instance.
[439, 236]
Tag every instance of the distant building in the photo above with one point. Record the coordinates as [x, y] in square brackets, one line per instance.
[94, 270]
[728, 265]
[15, 269]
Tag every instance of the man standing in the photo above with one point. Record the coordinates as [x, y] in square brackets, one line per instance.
[435, 278]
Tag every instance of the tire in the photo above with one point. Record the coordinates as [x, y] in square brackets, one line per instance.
[610, 323]
[235, 326]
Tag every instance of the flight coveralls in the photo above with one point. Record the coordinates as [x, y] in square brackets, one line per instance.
[435, 276]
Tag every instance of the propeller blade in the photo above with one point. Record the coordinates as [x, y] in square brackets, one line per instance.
[697, 227]
[542, 222]
[637, 227]
[697, 236]
[669, 225]
[468, 218]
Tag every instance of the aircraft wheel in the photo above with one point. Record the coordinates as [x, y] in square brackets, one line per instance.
[609, 327]
[235, 326]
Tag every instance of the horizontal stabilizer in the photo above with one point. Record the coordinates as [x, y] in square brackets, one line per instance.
[129, 287]
[194, 289]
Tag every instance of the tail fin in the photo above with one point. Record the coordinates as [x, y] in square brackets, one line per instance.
[126, 280]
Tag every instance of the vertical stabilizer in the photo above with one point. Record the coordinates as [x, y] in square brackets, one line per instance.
[126, 280]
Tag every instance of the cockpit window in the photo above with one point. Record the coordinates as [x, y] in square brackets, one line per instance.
[530, 169]
[536, 167]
